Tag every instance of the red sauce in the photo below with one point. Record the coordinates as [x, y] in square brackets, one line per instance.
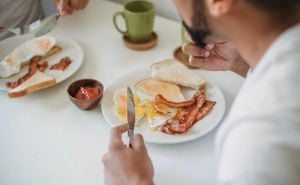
[88, 92]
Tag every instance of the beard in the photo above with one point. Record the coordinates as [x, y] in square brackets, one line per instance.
[199, 29]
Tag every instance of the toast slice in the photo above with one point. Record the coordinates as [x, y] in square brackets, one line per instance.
[36, 82]
[154, 87]
[175, 72]
[55, 49]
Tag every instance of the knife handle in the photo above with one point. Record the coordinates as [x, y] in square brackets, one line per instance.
[130, 138]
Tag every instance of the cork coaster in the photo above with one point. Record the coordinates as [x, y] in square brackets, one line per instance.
[182, 57]
[141, 46]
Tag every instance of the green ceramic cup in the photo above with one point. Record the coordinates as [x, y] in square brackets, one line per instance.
[139, 20]
[183, 39]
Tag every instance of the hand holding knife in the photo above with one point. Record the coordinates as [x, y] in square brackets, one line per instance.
[130, 115]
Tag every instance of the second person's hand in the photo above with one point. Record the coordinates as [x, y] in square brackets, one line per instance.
[67, 7]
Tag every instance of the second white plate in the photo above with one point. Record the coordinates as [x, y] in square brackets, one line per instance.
[69, 47]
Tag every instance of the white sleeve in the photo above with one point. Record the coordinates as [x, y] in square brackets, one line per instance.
[260, 153]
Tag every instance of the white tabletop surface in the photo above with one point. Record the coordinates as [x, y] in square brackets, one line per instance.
[46, 140]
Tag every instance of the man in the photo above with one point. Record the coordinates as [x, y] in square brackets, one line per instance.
[16, 13]
[259, 141]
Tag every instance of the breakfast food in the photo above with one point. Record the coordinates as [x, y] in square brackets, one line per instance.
[120, 106]
[188, 115]
[160, 100]
[175, 72]
[36, 82]
[34, 65]
[88, 92]
[62, 64]
[153, 87]
[22, 55]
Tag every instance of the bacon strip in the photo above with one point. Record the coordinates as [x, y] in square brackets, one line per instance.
[188, 116]
[159, 99]
[62, 64]
[205, 109]
[34, 65]
[42, 66]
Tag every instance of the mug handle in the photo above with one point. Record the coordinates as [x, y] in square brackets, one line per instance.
[116, 25]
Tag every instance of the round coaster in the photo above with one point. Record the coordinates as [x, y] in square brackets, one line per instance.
[182, 57]
[141, 46]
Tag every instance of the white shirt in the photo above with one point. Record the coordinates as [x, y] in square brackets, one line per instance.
[16, 13]
[259, 142]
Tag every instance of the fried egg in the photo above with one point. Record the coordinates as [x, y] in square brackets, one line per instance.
[120, 106]
[154, 118]
[143, 108]
[13, 62]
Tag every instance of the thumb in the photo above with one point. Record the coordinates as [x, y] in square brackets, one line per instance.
[138, 142]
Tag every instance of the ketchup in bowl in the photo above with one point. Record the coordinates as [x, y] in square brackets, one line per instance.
[85, 93]
[88, 92]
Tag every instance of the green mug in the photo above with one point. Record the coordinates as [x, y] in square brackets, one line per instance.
[139, 20]
[183, 38]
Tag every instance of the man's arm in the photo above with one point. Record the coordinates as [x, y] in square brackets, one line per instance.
[259, 153]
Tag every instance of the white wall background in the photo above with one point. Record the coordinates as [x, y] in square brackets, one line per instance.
[164, 8]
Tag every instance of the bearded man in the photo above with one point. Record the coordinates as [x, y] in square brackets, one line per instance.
[259, 141]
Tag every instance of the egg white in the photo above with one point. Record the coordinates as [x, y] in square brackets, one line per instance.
[12, 63]
[120, 106]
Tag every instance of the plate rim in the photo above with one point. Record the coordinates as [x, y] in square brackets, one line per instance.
[57, 37]
[182, 140]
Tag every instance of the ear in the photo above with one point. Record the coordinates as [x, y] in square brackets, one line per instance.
[218, 8]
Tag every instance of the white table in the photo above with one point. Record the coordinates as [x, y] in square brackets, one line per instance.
[46, 140]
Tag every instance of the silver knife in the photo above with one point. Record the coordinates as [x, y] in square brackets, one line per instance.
[130, 115]
[47, 25]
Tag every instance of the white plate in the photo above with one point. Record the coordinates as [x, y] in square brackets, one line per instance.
[201, 128]
[69, 47]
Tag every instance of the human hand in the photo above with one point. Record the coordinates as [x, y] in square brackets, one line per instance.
[67, 7]
[216, 56]
[123, 165]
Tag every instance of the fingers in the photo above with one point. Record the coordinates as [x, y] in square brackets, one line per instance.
[116, 135]
[198, 62]
[63, 7]
[212, 63]
[67, 7]
[83, 4]
[75, 4]
[192, 49]
[138, 142]
[78, 4]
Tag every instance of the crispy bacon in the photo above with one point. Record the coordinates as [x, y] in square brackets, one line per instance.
[188, 116]
[62, 64]
[159, 99]
[205, 109]
[42, 66]
[34, 65]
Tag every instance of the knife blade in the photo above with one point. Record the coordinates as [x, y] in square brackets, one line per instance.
[130, 115]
